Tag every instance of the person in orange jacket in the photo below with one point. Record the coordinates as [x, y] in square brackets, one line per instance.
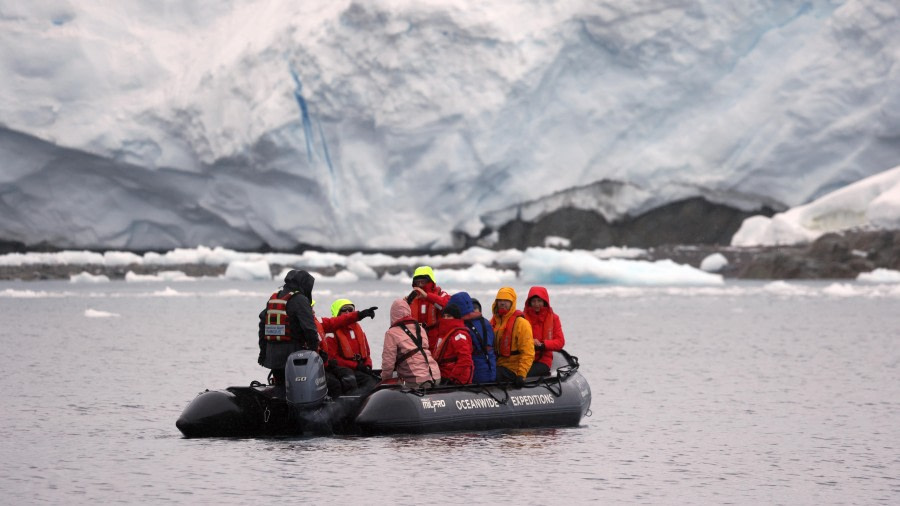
[346, 344]
[545, 328]
[513, 342]
[453, 348]
[427, 300]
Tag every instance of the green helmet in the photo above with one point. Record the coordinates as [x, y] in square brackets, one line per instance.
[338, 304]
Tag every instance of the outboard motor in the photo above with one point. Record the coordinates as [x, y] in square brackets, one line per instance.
[304, 377]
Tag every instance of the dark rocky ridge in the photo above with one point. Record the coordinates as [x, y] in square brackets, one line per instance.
[690, 221]
[831, 256]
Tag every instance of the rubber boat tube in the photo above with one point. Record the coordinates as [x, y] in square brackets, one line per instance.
[559, 400]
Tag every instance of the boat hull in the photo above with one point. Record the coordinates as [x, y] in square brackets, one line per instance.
[260, 410]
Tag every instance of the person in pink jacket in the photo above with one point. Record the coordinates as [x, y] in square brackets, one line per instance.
[406, 349]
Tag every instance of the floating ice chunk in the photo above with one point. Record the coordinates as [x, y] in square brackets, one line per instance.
[714, 263]
[549, 266]
[87, 277]
[133, 277]
[879, 276]
[552, 241]
[477, 274]
[248, 270]
[93, 313]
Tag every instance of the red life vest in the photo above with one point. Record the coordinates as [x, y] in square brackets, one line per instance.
[345, 338]
[504, 337]
[441, 346]
[278, 325]
[546, 329]
[424, 312]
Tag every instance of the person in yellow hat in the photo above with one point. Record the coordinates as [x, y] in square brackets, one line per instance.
[427, 299]
[346, 344]
[513, 341]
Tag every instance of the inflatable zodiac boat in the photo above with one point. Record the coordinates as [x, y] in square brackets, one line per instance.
[301, 406]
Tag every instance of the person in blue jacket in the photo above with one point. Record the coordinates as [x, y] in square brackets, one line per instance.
[482, 338]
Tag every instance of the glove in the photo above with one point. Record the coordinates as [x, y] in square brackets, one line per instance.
[362, 367]
[262, 358]
[519, 382]
[332, 363]
[366, 313]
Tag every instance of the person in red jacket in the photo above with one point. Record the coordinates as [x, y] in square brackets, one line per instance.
[546, 330]
[427, 300]
[347, 347]
[453, 348]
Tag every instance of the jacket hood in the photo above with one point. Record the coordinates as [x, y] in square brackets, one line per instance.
[505, 293]
[338, 304]
[540, 292]
[463, 301]
[299, 281]
[400, 311]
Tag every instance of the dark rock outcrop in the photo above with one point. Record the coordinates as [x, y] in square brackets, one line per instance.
[690, 221]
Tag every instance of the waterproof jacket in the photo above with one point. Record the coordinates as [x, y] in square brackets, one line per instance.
[302, 324]
[513, 343]
[484, 360]
[427, 310]
[345, 340]
[453, 351]
[545, 326]
[412, 362]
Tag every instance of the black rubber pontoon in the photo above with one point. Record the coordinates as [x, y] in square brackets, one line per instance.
[560, 400]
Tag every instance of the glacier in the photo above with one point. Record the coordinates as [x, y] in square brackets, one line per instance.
[383, 125]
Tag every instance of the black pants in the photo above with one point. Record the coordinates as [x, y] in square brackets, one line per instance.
[504, 375]
[539, 369]
[277, 377]
[343, 381]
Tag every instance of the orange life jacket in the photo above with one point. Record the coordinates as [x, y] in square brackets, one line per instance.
[346, 336]
[505, 337]
[424, 312]
[278, 325]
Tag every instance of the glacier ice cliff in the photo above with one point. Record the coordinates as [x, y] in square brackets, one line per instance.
[251, 124]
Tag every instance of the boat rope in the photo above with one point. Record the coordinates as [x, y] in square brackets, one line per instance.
[490, 394]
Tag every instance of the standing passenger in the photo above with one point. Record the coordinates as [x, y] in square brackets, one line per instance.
[406, 349]
[427, 300]
[453, 348]
[287, 324]
[483, 357]
[546, 330]
[512, 342]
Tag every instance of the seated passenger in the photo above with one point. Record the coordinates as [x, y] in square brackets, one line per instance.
[545, 328]
[427, 300]
[340, 380]
[453, 348]
[346, 342]
[483, 358]
[406, 349]
[512, 339]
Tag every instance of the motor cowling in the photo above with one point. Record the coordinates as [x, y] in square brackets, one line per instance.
[304, 377]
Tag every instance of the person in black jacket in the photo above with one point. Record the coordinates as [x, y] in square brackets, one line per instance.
[287, 324]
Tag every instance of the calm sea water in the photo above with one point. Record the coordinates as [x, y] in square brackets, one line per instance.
[748, 393]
